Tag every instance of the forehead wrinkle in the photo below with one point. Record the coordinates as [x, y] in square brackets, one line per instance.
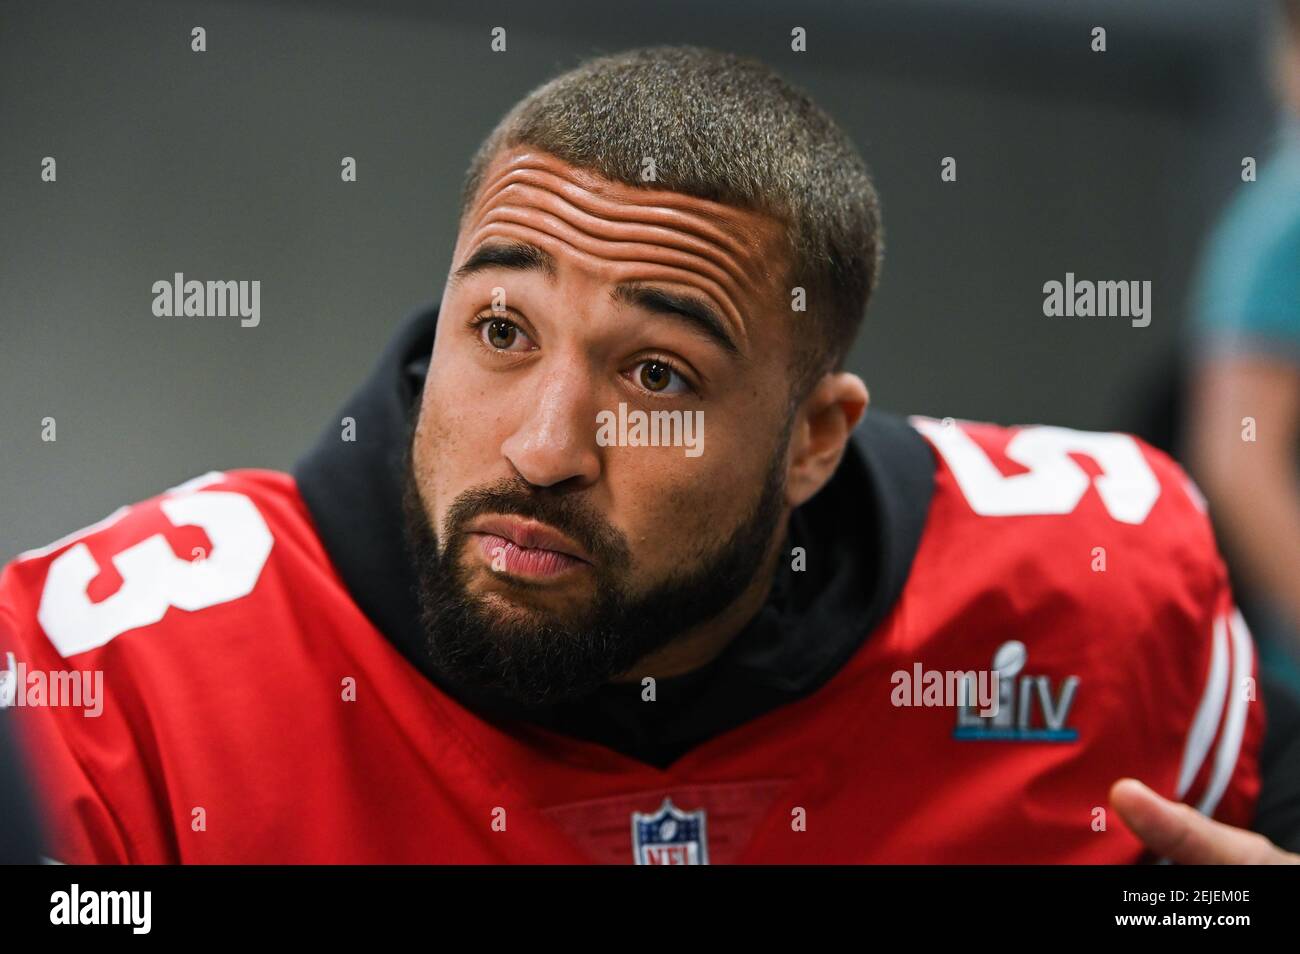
[705, 221]
[710, 215]
[541, 209]
[592, 183]
[622, 268]
[651, 243]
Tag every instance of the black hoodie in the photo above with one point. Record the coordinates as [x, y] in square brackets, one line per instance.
[866, 524]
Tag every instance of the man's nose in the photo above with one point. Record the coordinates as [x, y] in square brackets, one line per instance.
[556, 439]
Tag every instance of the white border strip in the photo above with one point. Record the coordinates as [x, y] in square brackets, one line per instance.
[1206, 722]
[1234, 727]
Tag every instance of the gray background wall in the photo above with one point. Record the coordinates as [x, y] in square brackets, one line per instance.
[226, 165]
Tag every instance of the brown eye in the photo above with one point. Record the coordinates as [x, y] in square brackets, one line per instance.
[501, 333]
[655, 376]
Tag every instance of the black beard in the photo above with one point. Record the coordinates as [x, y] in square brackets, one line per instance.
[546, 659]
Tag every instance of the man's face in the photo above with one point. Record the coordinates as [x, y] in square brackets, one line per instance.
[553, 554]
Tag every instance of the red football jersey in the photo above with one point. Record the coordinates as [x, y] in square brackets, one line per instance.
[250, 712]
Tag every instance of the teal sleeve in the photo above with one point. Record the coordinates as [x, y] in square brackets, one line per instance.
[1247, 296]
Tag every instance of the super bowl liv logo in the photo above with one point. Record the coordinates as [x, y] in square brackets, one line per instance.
[1029, 708]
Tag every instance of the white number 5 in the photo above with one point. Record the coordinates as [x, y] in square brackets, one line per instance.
[1055, 483]
[153, 577]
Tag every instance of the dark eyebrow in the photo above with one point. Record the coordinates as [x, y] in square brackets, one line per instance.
[696, 312]
[514, 255]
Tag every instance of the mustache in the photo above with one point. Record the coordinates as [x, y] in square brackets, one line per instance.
[570, 515]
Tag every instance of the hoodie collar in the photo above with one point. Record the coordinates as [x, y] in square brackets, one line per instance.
[859, 536]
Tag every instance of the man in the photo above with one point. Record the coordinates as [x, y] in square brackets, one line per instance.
[1244, 428]
[606, 574]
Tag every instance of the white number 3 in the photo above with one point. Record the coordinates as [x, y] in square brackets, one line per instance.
[154, 579]
[1055, 483]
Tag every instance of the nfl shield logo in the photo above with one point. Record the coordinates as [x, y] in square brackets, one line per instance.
[670, 836]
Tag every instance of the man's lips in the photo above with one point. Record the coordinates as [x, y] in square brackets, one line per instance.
[529, 535]
[526, 547]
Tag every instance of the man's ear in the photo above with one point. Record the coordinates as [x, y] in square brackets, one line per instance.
[822, 426]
